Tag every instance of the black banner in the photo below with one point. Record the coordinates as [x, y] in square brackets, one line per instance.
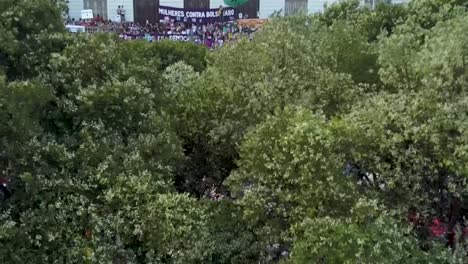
[202, 16]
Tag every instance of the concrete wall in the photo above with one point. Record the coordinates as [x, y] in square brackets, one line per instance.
[400, 1]
[316, 6]
[173, 3]
[99, 7]
[74, 9]
[293, 6]
[191, 4]
[216, 3]
[268, 7]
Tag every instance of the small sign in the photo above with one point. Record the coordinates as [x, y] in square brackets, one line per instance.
[87, 14]
[75, 29]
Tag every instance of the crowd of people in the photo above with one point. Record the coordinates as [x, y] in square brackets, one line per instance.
[212, 35]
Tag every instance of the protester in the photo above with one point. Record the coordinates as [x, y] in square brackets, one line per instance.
[212, 35]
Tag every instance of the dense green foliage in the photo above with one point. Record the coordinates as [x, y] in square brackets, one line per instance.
[313, 143]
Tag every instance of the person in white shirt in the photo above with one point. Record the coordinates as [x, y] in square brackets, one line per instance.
[122, 14]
